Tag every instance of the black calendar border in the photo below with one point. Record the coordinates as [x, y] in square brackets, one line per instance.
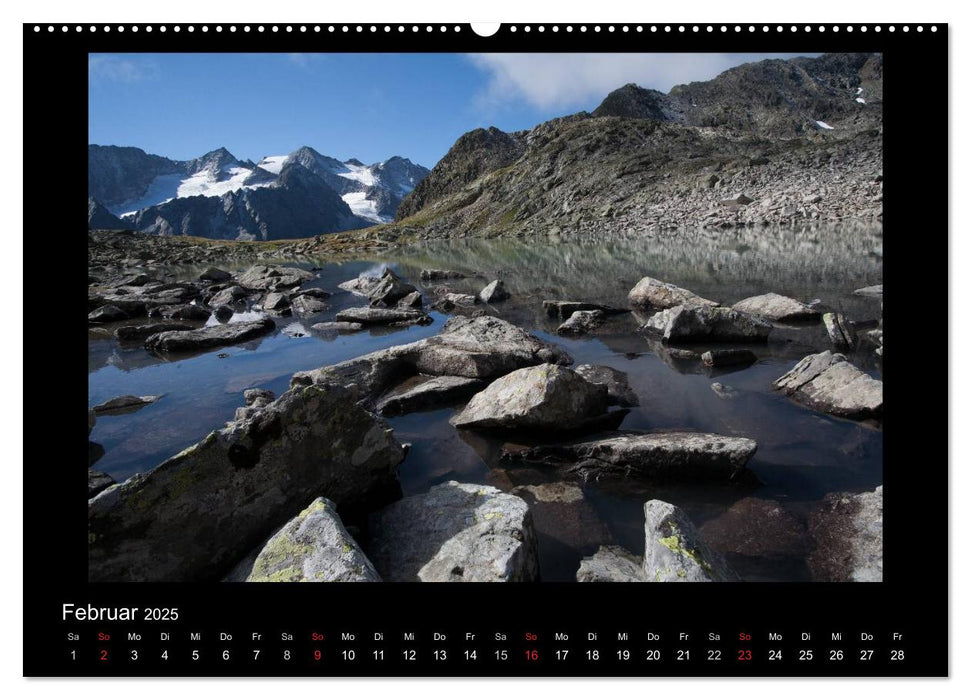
[916, 129]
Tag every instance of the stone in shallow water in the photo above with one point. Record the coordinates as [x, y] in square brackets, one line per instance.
[314, 547]
[125, 404]
[728, 357]
[494, 292]
[455, 532]
[339, 326]
[619, 392]
[214, 274]
[369, 315]
[565, 309]
[201, 511]
[547, 397]
[689, 457]
[716, 324]
[432, 393]
[776, 307]
[210, 336]
[847, 534]
[271, 278]
[611, 564]
[828, 382]
[723, 391]
[581, 322]
[840, 332]
[663, 295]
[140, 332]
[675, 552]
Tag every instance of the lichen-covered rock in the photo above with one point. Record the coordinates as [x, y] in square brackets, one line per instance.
[546, 397]
[716, 324]
[619, 392]
[455, 532]
[256, 399]
[314, 547]
[776, 307]
[663, 295]
[199, 512]
[478, 348]
[690, 457]
[675, 552]
[493, 292]
[275, 301]
[581, 322]
[828, 382]
[210, 336]
[611, 564]
[227, 297]
[429, 393]
[847, 534]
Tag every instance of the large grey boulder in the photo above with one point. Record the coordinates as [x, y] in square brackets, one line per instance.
[611, 564]
[227, 297]
[581, 322]
[478, 348]
[690, 457]
[374, 316]
[847, 534]
[618, 389]
[776, 307]
[272, 278]
[663, 295]
[546, 397]
[209, 336]
[199, 512]
[829, 382]
[428, 393]
[384, 291]
[674, 550]
[716, 324]
[455, 532]
[314, 547]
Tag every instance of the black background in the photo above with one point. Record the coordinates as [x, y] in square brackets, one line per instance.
[912, 599]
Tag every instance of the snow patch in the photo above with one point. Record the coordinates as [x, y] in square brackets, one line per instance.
[365, 208]
[823, 125]
[360, 173]
[861, 100]
[203, 183]
[273, 164]
[859, 91]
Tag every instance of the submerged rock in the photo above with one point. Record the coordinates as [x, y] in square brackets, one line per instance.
[847, 534]
[689, 457]
[611, 564]
[565, 309]
[829, 382]
[581, 322]
[125, 404]
[97, 482]
[493, 292]
[662, 295]
[619, 392]
[756, 527]
[210, 336]
[675, 552]
[716, 324]
[314, 547]
[547, 397]
[455, 532]
[432, 393]
[728, 357]
[373, 316]
[776, 307]
[723, 391]
[199, 512]
[840, 332]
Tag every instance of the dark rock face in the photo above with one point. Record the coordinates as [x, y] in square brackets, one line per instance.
[196, 514]
[140, 332]
[97, 482]
[611, 564]
[618, 389]
[100, 218]
[689, 457]
[455, 532]
[430, 393]
[118, 174]
[847, 534]
[829, 382]
[840, 332]
[209, 337]
[635, 102]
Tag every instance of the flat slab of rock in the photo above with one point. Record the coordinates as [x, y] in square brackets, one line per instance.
[689, 457]
[715, 324]
[581, 322]
[565, 309]
[611, 564]
[619, 392]
[674, 551]
[728, 357]
[373, 316]
[314, 547]
[432, 393]
[829, 382]
[210, 336]
[847, 534]
[125, 404]
[203, 510]
[455, 532]
[776, 307]
[140, 332]
[338, 326]
[662, 295]
[547, 397]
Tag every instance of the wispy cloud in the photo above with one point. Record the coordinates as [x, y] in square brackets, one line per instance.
[119, 69]
[572, 80]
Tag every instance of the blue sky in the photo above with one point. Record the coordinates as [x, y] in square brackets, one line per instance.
[366, 106]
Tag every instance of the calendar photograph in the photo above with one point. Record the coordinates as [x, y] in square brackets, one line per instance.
[484, 317]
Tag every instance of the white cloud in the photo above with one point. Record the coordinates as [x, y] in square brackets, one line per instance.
[119, 69]
[581, 79]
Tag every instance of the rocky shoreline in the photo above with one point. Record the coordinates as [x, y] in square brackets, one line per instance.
[266, 497]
